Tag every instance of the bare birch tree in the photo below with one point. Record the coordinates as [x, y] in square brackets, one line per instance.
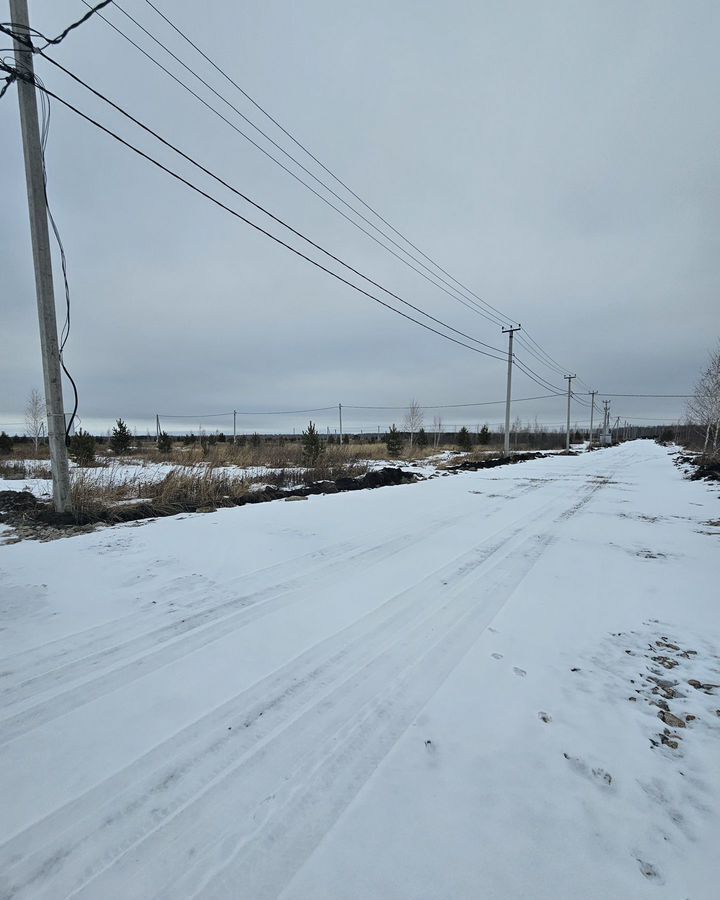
[413, 419]
[35, 417]
[437, 428]
[704, 407]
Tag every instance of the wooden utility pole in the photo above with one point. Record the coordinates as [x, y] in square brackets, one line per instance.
[35, 180]
[340, 414]
[509, 332]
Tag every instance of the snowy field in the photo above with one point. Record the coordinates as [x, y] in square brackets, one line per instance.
[496, 684]
[135, 472]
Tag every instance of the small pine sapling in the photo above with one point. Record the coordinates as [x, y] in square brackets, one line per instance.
[82, 448]
[121, 439]
[312, 446]
[394, 442]
[164, 442]
[464, 440]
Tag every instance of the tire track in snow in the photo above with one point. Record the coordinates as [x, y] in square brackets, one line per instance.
[44, 659]
[206, 765]
[170, 642]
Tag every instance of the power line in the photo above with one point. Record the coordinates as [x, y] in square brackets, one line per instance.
[260, 229]
[543, 357]
[237, 412]
[501, 319]
[666, 396]
[497, 317]
[537, 378]
[262, 209]
[529, 349]
[452, 292]
[61, 37]
[274, 159]
[455, 405]
[333, 408]
[45, 111]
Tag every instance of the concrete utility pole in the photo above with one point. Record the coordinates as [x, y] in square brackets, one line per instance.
[567, 436]
[35, 180]
[592, 411]
[157, 428]
[340, 414]
[509, 332]
[606, 418]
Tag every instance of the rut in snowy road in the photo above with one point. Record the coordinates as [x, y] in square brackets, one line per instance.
[198, 722]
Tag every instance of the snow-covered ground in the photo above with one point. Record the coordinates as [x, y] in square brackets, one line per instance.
[121, 472]
[457, 689]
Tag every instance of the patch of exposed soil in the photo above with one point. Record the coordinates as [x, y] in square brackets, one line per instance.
[35, 518]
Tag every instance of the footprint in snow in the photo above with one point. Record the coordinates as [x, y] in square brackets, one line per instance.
[581, 767]
[496, 655]
[649, 871]
[545, 717]
[519, 672]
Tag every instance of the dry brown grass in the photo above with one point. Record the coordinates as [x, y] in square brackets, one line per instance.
[97, 492]
[276, 454]
[18, 469]
[26, 450]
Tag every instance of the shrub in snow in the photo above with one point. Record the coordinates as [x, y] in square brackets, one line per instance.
[121, 438]
[464, 441]
[312, 447]
[82, 448]
[393, 442]
[164, 442]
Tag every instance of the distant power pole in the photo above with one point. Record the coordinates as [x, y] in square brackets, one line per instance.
[340, 414]
[157, 428]
[606, 414]
[567, 436]
[509, 332]
[235, 427]
[35, 180]
[592, 411]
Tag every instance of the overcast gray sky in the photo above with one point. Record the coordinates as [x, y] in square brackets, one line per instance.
[560, 159]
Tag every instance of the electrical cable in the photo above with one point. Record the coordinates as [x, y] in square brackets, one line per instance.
[531, 373]
[667, 396]
[61, 37]
[45, 111]
[501, 318]
[259, 228]
[265, 211]
[449, 289]
[456, 405]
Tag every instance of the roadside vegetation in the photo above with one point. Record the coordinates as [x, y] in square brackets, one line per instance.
[121, 476]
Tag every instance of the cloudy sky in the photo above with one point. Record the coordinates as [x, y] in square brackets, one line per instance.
[560, 159]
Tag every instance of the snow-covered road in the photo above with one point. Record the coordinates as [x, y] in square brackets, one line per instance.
[415, 692]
